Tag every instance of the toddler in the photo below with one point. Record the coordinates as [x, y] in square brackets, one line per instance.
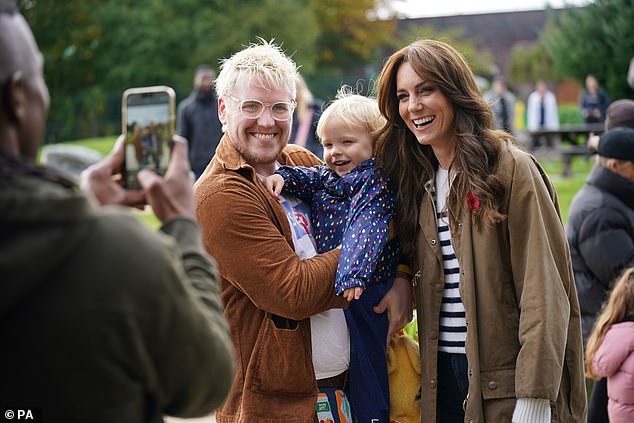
[610, 350]
[351, 206]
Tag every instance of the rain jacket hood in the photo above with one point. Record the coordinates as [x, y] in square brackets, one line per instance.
[43, 220]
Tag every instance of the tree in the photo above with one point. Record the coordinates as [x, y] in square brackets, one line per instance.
[351, 35]
[530, 62]
[104, 46]
[597, 39]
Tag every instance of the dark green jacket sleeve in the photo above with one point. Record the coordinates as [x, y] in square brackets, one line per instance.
[196, 360]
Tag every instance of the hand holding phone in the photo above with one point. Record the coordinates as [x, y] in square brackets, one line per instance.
[171, 196]
[100, 182]
[148, 126]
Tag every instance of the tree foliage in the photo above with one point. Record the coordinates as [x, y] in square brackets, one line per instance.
[350, 34]
[530, 62]
[94, 49]
[596, 39]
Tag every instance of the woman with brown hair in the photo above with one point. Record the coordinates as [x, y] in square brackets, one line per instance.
[478, 218]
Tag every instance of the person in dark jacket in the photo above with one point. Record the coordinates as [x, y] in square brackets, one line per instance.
[594, 101]
[600, 228]
[198, 121]
[597, 229]
[101, 320]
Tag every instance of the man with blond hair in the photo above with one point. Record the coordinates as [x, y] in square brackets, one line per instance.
[286, 322]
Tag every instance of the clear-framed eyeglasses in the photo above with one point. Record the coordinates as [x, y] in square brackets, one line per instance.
[253, 109]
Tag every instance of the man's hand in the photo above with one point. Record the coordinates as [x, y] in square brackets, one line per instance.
[103, 180]
[171, 196]
[398, 303]
[274, 184]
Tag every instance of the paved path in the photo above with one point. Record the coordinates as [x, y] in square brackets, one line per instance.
[208, 419]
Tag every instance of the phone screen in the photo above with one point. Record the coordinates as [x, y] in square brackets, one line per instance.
[148, 127]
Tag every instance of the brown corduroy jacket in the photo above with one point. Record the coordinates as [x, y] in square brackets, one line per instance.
[268, 292]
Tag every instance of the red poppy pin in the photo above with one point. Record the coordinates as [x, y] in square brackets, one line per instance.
[473, 201]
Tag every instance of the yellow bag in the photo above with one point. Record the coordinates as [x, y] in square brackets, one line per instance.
[403, 367]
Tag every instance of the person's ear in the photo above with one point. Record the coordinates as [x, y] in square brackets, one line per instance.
[614, 165]
[15, 98]
[222, 111]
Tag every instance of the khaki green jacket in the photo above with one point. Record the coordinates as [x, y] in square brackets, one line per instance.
[101, 319]
[268, 292]
[523, 323]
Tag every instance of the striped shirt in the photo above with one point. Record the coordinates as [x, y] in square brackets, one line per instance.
[453, 325]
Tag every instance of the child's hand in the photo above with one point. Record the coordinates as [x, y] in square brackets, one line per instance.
[352, 293]
[274, 184]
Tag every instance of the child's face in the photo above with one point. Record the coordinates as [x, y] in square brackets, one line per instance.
[345, 147]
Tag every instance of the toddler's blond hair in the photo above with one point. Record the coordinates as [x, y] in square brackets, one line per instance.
[355, 111]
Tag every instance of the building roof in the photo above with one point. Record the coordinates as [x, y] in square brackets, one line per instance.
[497, 32]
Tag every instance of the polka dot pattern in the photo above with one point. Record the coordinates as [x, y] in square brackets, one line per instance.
[352, 211]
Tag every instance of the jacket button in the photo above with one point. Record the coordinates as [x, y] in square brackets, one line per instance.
[433, 242]
[493, 385]
[433, 335]
[460, 225]
[432, 384]
[470, 372]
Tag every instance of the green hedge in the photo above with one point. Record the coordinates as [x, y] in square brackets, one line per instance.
[569, 113]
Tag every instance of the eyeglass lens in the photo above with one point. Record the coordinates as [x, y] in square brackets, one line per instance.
[254, 109]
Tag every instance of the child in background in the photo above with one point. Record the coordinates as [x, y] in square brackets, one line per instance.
[351, 206]
[610, 350]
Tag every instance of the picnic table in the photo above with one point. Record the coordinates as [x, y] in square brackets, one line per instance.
[573, 141]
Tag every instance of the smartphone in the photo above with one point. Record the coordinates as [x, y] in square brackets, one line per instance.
[148, 115]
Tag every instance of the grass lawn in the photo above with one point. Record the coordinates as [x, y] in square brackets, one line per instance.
[566, 187]
[102, 145]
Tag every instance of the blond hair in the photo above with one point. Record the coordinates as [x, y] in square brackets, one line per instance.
[264, 64]
[619, 308]
[355, 111]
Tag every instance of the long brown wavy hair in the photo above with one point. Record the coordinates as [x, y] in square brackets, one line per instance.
[410, 165]
[619, 308]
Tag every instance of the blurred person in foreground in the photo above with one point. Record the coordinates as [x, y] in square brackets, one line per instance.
[102, 319]
[610, 350]
[286, 321]
[600, 228]
[197, 120]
